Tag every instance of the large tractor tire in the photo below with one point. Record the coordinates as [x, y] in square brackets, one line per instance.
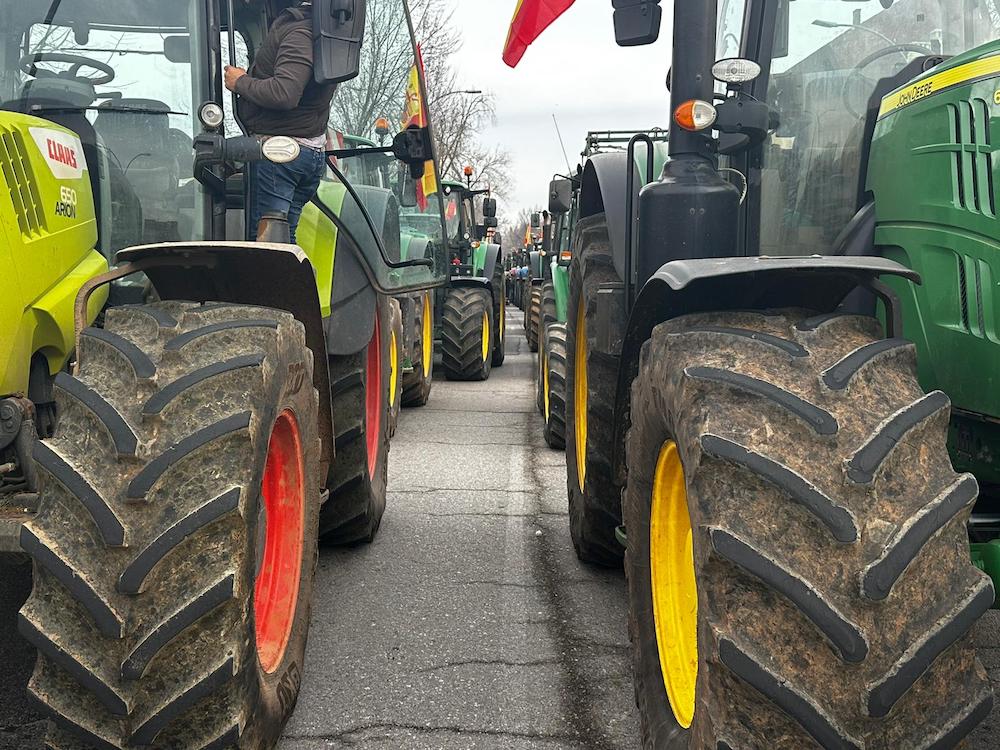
[499, 317]
[554, 382]
[417, 384]
[394, 354]
[358, 474]
[594, 504]
[175, 541]
[533, 317]
[798, 565]
[466, 334]
[548, 305]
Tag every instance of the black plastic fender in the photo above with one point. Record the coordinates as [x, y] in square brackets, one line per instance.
[535, 264]
[602, 189]
[352, 305]
[248, 273]
[491, 260]
[680, 287]
[473, 281]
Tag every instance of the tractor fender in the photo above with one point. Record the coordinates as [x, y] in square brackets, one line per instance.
[602, 190]
[248, 273]
[492, 258]
[680, 287]
[383, 208]
[473, 281]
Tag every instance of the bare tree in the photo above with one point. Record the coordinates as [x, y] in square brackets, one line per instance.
[513, 232]
[458, 117]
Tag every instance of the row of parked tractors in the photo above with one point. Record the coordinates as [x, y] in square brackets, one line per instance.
[184, 415]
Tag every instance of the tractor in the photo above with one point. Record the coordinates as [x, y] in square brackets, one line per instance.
[765, 338]
[186, 414]
[550, 384]
[472, 308]
[537, 240]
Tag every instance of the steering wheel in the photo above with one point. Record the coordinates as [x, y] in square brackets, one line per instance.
[29, 65]
[900, 49]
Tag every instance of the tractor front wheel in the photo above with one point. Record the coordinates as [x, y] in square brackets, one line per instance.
[417, 384]
[594, 497]
[175, 541]
[358, 475]
[533, 318]
[467, 334]
[499, 317]
[394, 355]
[797, 561]
[554, 386]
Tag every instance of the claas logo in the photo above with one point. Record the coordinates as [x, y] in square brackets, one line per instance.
[62, 154]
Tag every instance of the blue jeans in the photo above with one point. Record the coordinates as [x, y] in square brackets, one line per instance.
[283, 187]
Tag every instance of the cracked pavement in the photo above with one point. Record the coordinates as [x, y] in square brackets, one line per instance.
[468, 623]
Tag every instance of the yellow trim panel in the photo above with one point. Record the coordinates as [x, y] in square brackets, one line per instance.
[986, 67]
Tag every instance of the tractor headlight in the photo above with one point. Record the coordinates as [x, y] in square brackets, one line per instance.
[735, 70]
[211, 115]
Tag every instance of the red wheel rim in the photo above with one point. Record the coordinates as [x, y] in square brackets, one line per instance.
[276, 591]
[373, 397]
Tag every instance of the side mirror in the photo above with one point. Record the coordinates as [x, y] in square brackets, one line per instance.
[637, 22]
[490, 207]
[490, 222]
[338, 31]
[536, 220]
[560, 196]
[413, 147]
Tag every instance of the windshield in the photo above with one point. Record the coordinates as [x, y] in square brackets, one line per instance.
[119, 74]
[822, 75]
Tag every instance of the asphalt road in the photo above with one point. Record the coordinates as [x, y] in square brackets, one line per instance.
[468, 623]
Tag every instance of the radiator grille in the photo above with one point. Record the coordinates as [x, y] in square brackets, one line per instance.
[20, 180]
[970, 125]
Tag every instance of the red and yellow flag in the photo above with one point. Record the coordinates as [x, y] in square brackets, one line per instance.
[416, 115]
[531, 18]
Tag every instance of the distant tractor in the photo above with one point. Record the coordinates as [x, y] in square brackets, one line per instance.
[473, 306]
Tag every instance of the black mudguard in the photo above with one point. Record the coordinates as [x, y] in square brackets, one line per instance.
[681, 287]
[602, 189]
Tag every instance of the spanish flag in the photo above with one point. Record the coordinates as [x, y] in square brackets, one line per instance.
[416, 115]
[528, 241]
[531, 18]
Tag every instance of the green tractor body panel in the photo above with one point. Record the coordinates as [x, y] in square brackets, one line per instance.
[560, 285]
[479, 259]
[48, 236]
[317, 235]
[932, 174]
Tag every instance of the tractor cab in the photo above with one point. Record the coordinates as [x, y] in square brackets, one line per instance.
[465, 232]
[139, 84]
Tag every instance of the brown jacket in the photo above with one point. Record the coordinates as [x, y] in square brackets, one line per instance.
[279, 95]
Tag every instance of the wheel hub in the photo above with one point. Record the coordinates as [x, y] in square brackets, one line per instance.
[373, 397]
[276, 589]
[580, 394]
[672, 580]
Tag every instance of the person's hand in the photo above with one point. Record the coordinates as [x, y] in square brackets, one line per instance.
[232, 75]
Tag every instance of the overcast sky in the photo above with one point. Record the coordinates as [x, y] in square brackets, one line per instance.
[574, 70]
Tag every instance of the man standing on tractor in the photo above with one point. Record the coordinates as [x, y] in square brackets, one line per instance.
[279, 96]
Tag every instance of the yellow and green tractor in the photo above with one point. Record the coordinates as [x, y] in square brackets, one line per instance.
[183, 414]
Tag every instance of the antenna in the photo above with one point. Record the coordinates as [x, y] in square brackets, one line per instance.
[562, 145]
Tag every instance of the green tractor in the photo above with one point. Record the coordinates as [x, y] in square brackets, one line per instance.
[473, 306]
[537, 256]
[227, 403]
[563, 207]
[756, 336]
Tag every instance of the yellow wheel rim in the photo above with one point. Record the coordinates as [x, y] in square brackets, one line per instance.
[675, 593]
[580, 394]
[545, 383]
[393, 369]
[486, 336]
[427, 325]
